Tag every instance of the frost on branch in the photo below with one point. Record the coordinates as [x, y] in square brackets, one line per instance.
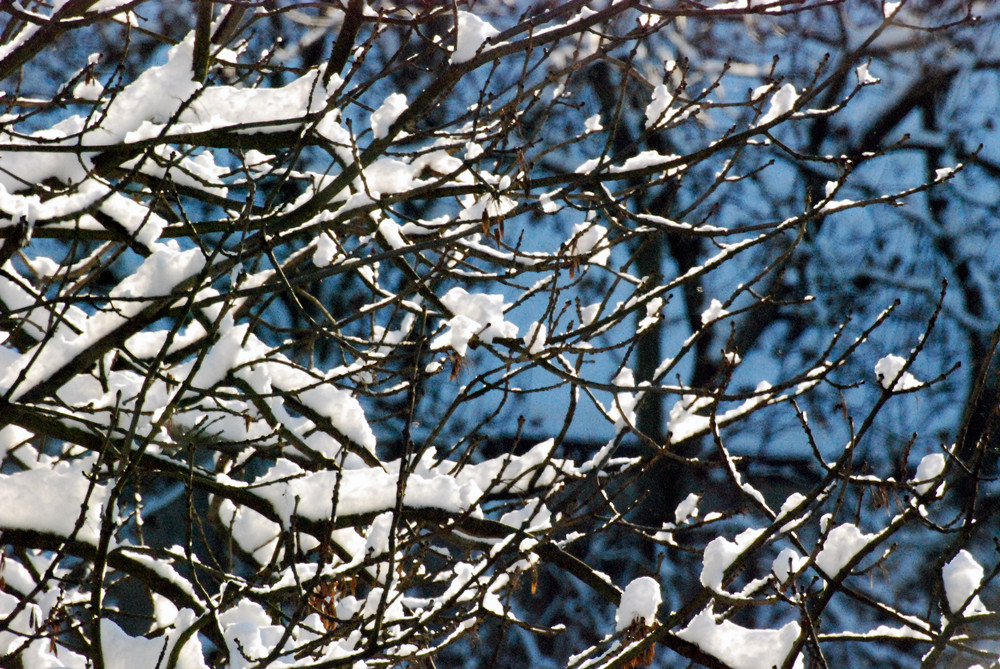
[424, 334]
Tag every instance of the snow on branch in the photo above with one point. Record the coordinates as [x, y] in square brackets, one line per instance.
[429, 334]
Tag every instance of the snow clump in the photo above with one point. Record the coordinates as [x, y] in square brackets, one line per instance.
[472, 34]
[641, 599]
[930, 467]
[887, 370]
[962, 577]
[740, 647]
[781, 103]
[841, 545]
[386, 114]
[475, 315]
[713, 313]
[720, 553]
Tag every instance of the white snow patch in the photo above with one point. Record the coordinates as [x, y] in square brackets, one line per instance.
[790, 504]
[326, 250]
[473, 150]
[720, 553]
[548, 206]
[653, 308]
[713, 313]
[532, 517]
[930, 467]
[781, 103]
[841, 545]
[655, 110]
[788, 562]
[589, 313]
[12, 436]
[942, 173]
[254, 533]
[249, 634]
[963, 576]
[535, 339]
[289, 488]
[865, 78]
[493, 206]
[65, 490]
[386, 115]
[377, 541]
[266, 108]
[683, 421]
[472, 34]
[390, 230]
[475, 314]
[740, 647]
[157, 276]
[640, 161]
[659, 113]
[888, 369]
[590, 238]
[122, 651]
[641, 599]
[623, 410]
[688, 508]
[89, 89]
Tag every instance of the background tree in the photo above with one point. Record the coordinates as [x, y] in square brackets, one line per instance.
[584, 334]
